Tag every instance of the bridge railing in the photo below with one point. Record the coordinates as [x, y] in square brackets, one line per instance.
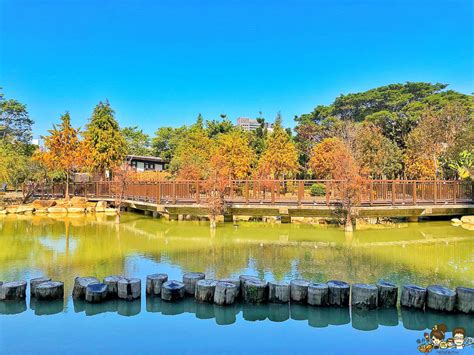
[299, 192]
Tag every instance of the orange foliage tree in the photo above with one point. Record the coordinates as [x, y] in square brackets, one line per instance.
[237, 155]
[65, 151]
[333, 159]
[280, 156]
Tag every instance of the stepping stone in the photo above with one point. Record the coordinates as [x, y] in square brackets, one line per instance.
[172, 291]
[205, 290]
[112, 285]
[299, 290]
[235, 281]
[465, 299]
[440, 298]
[387, 293]
[338, 293]
[129, 289]
[50, 290]
[96, 293]
[364, 296]
[255, 291]
[244, 278]
[318, 294]
[154, 283]
[190, 279]
[80, 284]
[278, 292]
[35, 282]
[225, 293]
[13, 290]
[413, 296]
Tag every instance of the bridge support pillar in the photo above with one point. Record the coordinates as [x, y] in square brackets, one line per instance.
[228, 218]
[413, 219]
[285, 218]
[172, 216]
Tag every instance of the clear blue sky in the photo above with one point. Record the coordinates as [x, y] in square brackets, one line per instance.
[163, 62]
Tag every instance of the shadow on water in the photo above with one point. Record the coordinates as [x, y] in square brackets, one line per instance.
[317, 317]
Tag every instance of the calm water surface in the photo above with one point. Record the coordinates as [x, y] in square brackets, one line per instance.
[65, 247]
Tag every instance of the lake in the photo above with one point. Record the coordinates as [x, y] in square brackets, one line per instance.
[65, 247]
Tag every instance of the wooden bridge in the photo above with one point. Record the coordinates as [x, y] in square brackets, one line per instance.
[292, 198]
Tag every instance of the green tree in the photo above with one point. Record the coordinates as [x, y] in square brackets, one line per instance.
[15, 121]
[138, 142]
[106, 141]
[166, 141]
[215, 127]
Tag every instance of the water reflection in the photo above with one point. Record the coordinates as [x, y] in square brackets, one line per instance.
[12, 307]
[45, 308]
[64, 247]
[121, 307]
[316, 317]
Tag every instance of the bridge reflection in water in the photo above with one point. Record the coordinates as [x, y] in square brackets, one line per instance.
[317, 317]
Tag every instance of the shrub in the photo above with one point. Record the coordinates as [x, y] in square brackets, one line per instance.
[317, 189]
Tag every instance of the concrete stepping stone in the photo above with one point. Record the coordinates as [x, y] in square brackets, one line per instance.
[96, 293]
[299, 290]
[154, 283]
[13, 290]
[278, 292]
[190, 279]
[50, 290]
[225, 293]
[338, 293]
[318, 294]
[205, 290]
[172, 291]
[255, 291]
[413, 296]
[465, 299]
[35, 282]
[80, 285]
[364, 296]
[112, 285]
[440, 298]
[129, 288]
[387, 293]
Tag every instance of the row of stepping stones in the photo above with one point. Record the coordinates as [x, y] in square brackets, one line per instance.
[251, 290]
[332, 293]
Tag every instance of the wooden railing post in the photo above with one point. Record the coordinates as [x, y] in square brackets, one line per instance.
[300, 191]
[393, 192]
[371, 193]
[174, 192]
[246, 191]
[414, 193]
[435, 192]
[85, 190]
[158, 193]
[328, 193]
[272, 186]
[455, 191]
[198, 193]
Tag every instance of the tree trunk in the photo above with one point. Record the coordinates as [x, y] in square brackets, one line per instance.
[348, 225]
[66, 193]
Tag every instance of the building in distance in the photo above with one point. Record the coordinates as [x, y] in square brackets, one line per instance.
[146, 163]
[250, 124]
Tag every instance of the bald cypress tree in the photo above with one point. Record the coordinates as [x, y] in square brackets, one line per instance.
[108, 146]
